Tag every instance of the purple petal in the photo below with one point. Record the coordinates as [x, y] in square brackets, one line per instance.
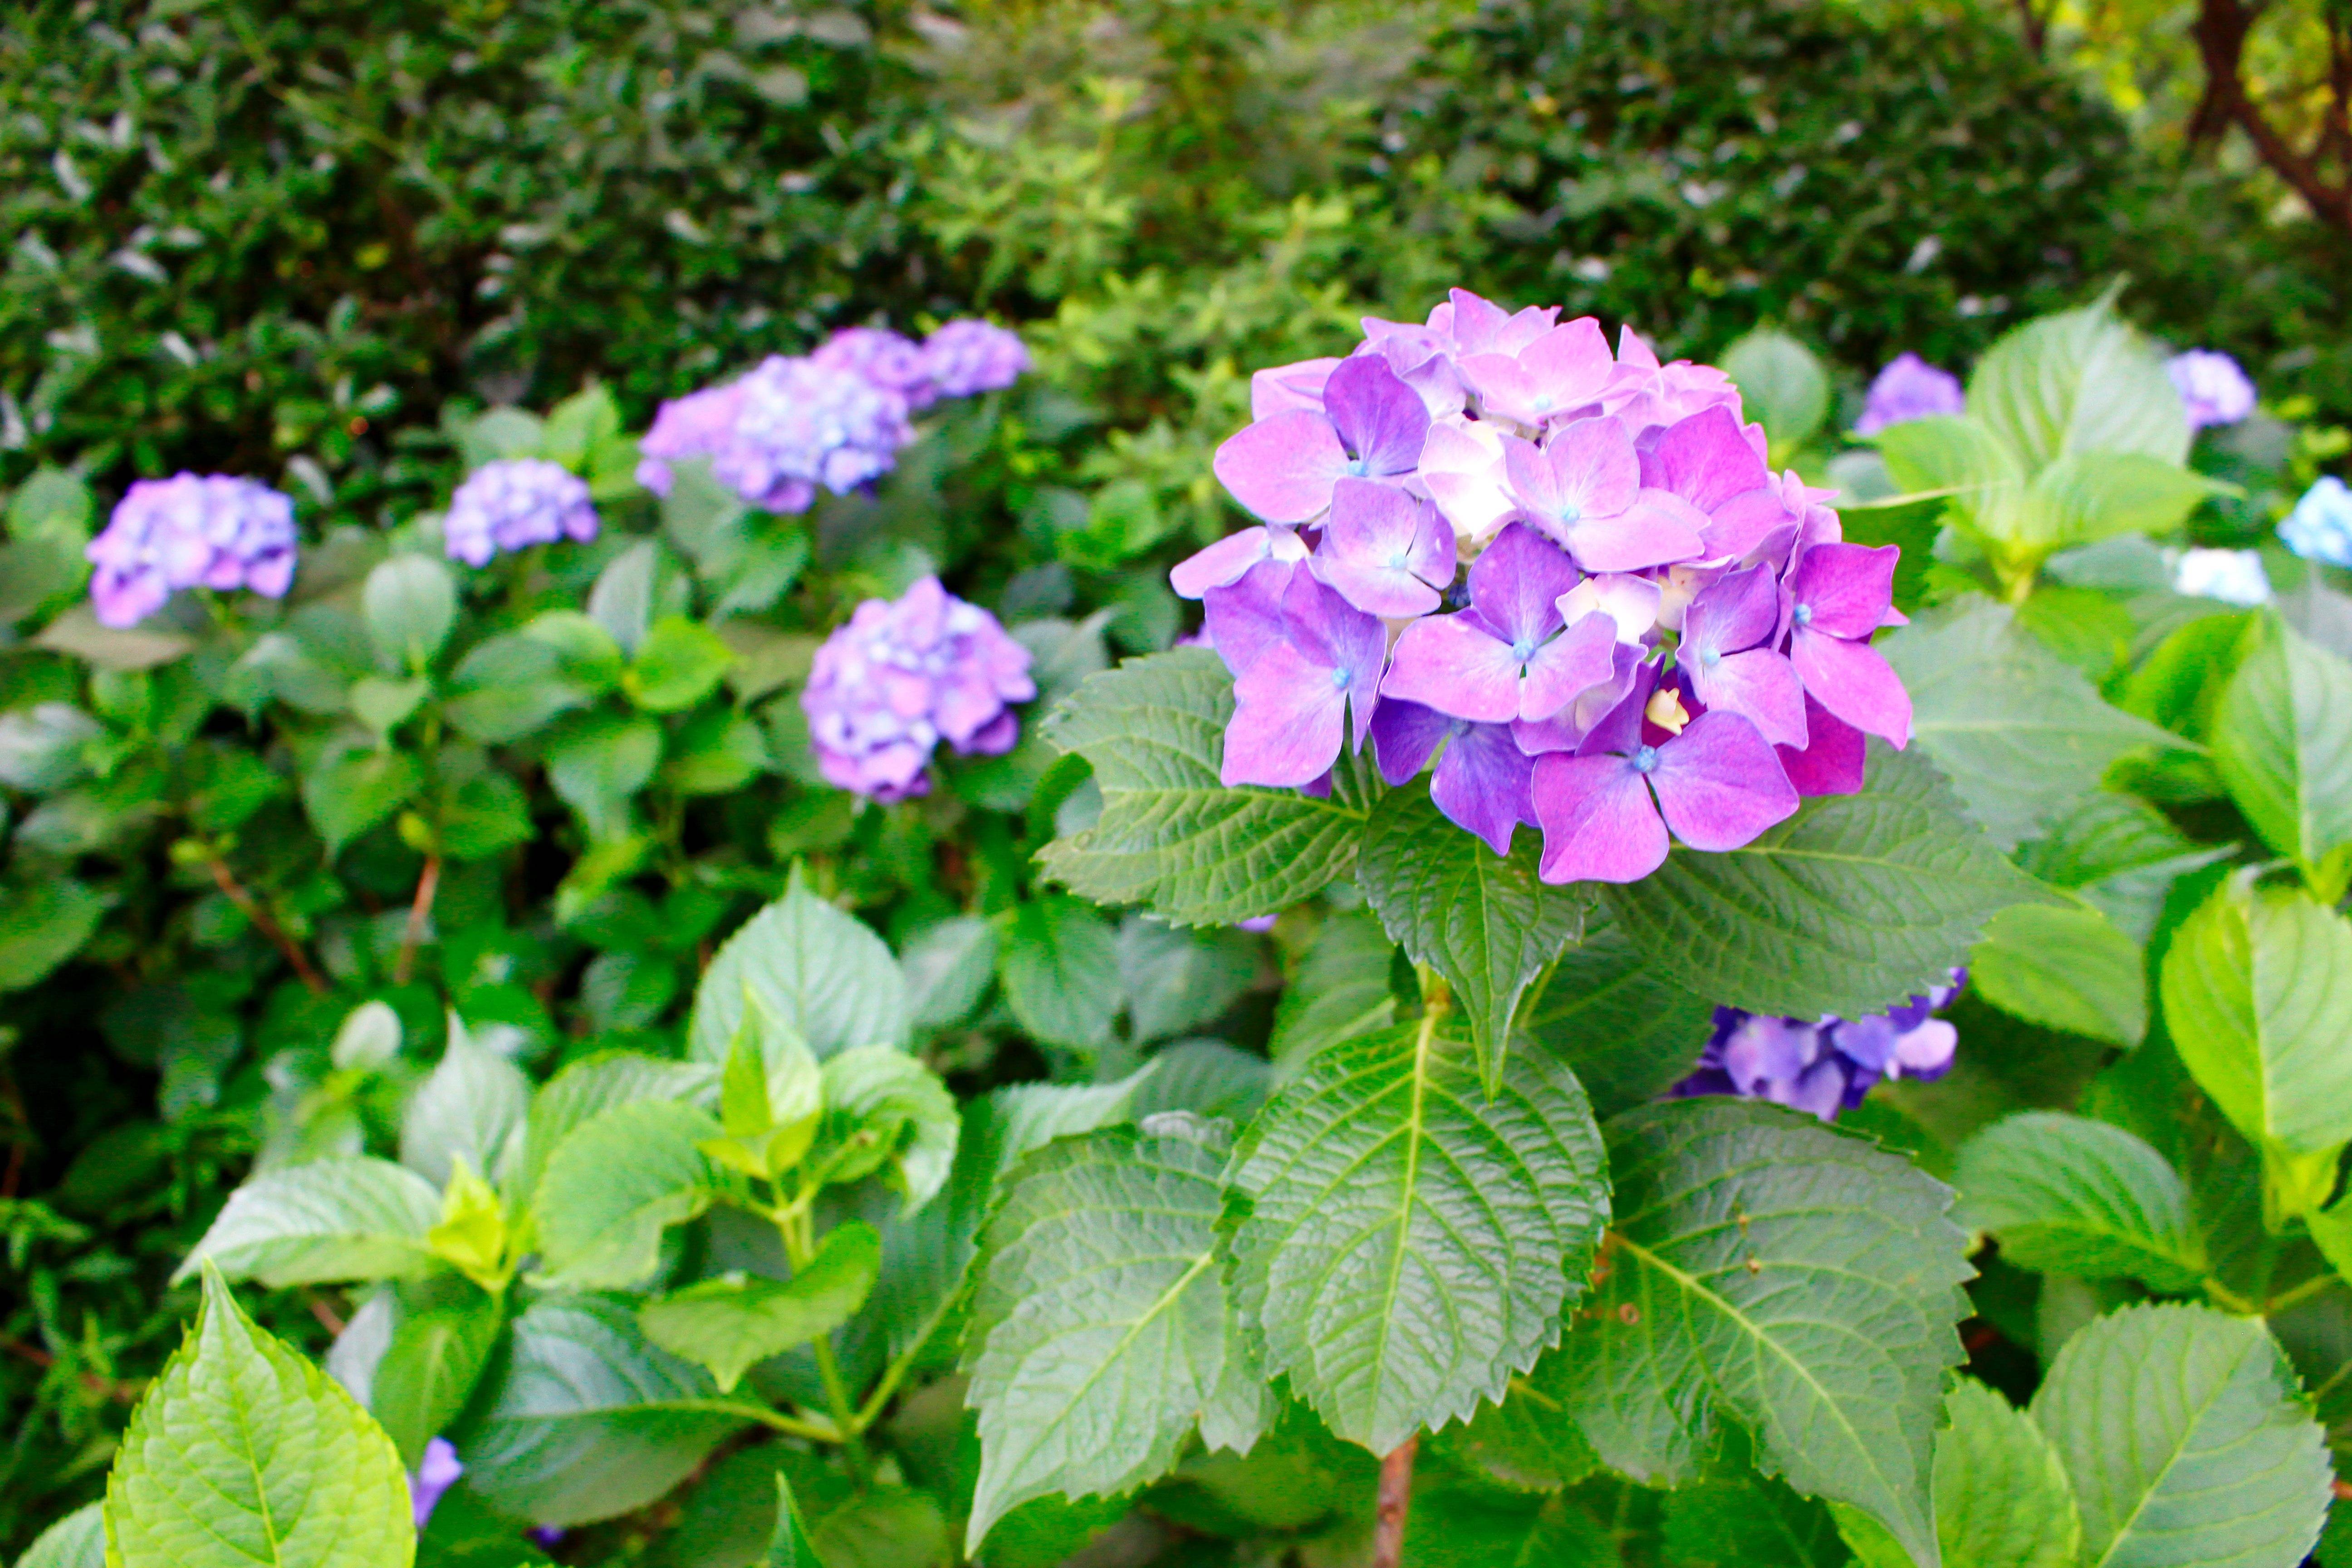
[1925, 1052]
[1846, 589]
[1831, 759]
[1631, 601]
[1620, 729]
[1739, 527]
[1759, 685]
[1580, 659]
[1598, 821]
[1719, 783]
[1852, 681]
[1762, 1050]
[1381, 421]
[1289, 724]
[1220, 563]
[1451, 664]
[1375, 590]
[1482, 785]
[1735, 612]
[1382, 549]
[1244, 619]
[1281, 468]
[1657, 530]
[1594, 467]
[1405, 735]
[1706, 459]
[1283, 388]
[1350, 645]
[1517, 582]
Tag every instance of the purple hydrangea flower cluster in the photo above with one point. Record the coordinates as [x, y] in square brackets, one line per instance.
[190, 530]
[1909, 388]
[1655, 634]
[904, 675]
[834, 419]
[1827, 1066]
[513, 503]
[2213, 387]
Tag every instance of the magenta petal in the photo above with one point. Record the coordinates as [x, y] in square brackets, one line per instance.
[1281, 468]
[1243, 618]
[1516, 585]
[1375, 590]
[1737, 611]
[1405, 735]
[1706, 459]
[1620, 729]
[1594, 466]
[1580, 659]
[1758, 684]
[1381, 421]
[1832, 762]
[1719, 783]
[1737, 526]
[1847, 588]
[1288, 721]
[1657, 530]
[1449, 664]
[1854, 681]
[1279, 389]
[1220, 563]
[1381, 549]
[1481, 784]
[1599, 824]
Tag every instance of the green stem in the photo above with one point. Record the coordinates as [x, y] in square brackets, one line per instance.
[2228, 1300]
[792, 1223]
[2301, 1293]
[790, 1425]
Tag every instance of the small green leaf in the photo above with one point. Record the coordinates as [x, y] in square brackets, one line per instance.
[474, 1101]
[2064, 968]
[1770, 1271]
[1616, 1017]
[510, 686]
[2081, 380]
[77, 1541]
[384, 705]
[600, 764]
[594, 1084]
[1172, 836]
[947, 968]
[2001, 1495]
[729, 1324]
[1856, 901]
[1176, 982]
[579, 425]
[244, 1454]
[615, 1183]
[45, 746]
[818, 971]
[789, 1546]
[334, 1219]
[1482, 921]
[716, 751]
[2258, 999]
[1100, 1332]
[2065, 1195]
[351, 788]
[411, 602]
[2283, 745]
[43, 925]
[2186, 1443]
[1059, 963]
[621, 602]
[430, 1368]
[1466, 1221]
[1782, 383]
[885, 1110]
[1962, 459]
[678, 665]
[1338, 989]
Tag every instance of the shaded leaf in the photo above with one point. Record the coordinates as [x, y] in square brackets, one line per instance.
[342, 1218]
[2066, 1194]
[730, 1324]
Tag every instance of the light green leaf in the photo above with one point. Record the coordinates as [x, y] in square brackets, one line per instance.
[2081, 380]
[474, 1101]
[1617, 1019]
[45, 746]
[817, 970]
[621, 602]
[885, 1110]
[1059, 963]
[1856, 901]
[42, 925]
[429, 1370]
[2086, 497]
[2066, 1194]
[1781, 383]
[1463, 1223]
[2183, 1434]
[341, 1218]
[1472, 1527]
[2001, 1495]
[1101, 1334]
[77, 1541]
[599, 764]
[1171, 835]
[2283, 745]
[1767, 1270]
[244, 1454]
[1961, 457]
[579, 425]
[2258, 998]
[2121, 854]
[500, 431]
[1177, 980]
[618, 1181]
[586, 1420]
[729, 1324]
[350, 788]
[595, 1084]
[2065, 968]
[716, 751]
[1485, 922]
[788, 1545]
[1751, 1521]
[678, 665]
[509, 686]
[947, 969]
[1207, 1078]
[1339, 988]
[885, 1526]
[2019, 732]
[411, 602]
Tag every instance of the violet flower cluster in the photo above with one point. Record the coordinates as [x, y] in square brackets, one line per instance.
[2213, 388]
[1655, 634]
[1825, 1065]
[836, 418]
[905, 675]
[514, 503]
[1909, 388]
[190, 530]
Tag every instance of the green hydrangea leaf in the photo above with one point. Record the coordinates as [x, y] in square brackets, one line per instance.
[1059, 963]
[594, 1084]
[732, 1324]
[1462, 1222]
[244, 1454]
[2185, 1441]
[2002, 1500]
[1100, 1334]
[77, 1541]
[1171, 835]
[429, 1370]
[1339, 988]
[817, 970]
[472, 1104]
[615, 1183]
[1856, 901]
[347, 1218]
[2283, 745]
[2080, 381]
[2063, 967]
[1616, 1017]
[678, 664]
[2066, 1194]
[1768, 1271]
[43, 925]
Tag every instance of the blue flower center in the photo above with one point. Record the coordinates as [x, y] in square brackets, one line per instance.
[1571, 512]
[1802, 614]
[1523, 650]
[1340, 678]
[1644, 759]
[1397, 562]
[1710, 657]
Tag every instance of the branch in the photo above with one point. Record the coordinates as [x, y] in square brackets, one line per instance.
[1396, 1497]
[226, 880]
[420, 915]
[2037, 28]
[2221, 28]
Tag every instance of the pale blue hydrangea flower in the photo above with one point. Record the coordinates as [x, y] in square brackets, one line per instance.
[2320, 526]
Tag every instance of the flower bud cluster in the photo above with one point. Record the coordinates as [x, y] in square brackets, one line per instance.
[190, 530]
[514, 503]
[1826, 1065]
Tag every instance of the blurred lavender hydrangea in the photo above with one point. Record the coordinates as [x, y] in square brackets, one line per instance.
[2320, 526]
[904, 675]
[1827, 1066]
[689, 426]
[969, 356]
[512, 504]
[190, 530]
[1909, 388]
[2212, 387]
[436, 1471]
[891, 361]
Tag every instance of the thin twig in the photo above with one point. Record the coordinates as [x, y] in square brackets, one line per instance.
[328, 1318]
[262, 921]
[1396, 1497]
[420, 914]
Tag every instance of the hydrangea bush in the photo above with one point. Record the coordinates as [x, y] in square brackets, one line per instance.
[761, 1055]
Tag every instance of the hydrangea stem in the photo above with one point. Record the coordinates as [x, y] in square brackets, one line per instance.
[1396, 1497]
[800, 1246]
